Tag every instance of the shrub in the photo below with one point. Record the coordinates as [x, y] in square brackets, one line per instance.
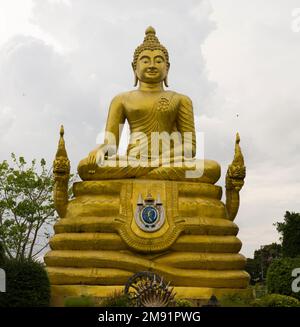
[2, 255]
[27, 285]
[290, 234]
[79, 301]
[259, 290]
[183, 303]
[279, 276]
[235, 300]
[117, 299]
[276, 300]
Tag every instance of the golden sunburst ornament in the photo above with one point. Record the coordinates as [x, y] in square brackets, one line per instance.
[147, 289]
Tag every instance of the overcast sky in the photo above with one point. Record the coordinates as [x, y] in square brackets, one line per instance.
[62, 61]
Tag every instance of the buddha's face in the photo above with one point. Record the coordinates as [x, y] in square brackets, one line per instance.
[151, 66]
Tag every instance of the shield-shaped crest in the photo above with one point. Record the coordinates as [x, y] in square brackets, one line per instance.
[149, 213]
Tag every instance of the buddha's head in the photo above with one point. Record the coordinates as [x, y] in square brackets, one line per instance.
[151, 60]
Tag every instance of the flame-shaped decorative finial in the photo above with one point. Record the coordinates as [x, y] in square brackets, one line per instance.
[150, 30]
[146, 289]
[62, 131]
[238, 156]
[235, 176]
[61, 150]
[61, 171]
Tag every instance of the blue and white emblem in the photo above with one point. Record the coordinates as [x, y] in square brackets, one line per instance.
[149, 213]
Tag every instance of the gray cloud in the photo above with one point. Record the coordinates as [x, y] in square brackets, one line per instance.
[45, 86]
[38, 92]
[253, 55]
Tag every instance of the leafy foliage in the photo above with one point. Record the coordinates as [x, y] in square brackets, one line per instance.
[120, 299]
[290, 234]
[236, 300]
[253, 268]
[117, 299]
[2, 255]
[276, 300]
[27, 284]
[279, 277]
[259, 290]
[183, 303]
[258, 266]
[79, 301]
[26, 207]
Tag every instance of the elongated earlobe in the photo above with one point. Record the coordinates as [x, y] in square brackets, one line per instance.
[135, 80]
[166, 78]
[166, 81]
[135, 75]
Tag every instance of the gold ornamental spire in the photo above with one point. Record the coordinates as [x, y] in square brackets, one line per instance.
[61, 172]
[61, 150]
[238, 159]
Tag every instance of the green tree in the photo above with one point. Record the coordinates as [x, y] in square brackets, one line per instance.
[27, 284]
[253, 269]
[258, 266]
[290, 234]
[26, 207]
[2, 255]
[265, 255]
[280, 278]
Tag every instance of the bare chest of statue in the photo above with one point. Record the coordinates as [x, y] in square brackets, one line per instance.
[151, 111]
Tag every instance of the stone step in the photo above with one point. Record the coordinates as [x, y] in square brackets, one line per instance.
[202, 243]
[178, 277]
[112, 241]
[199, 190]
[200, 260]
[191, 225]
[87, 241]
[129, 261]
[191, 207]
[93, 206]
[85, 224]
[113, 188]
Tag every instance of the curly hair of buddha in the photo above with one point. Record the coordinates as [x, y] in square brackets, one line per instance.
[150, 42]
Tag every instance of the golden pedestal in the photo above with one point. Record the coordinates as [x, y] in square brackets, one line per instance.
[98, 245]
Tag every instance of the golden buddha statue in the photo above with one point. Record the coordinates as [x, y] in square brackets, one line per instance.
[156, 209]
[156, 117]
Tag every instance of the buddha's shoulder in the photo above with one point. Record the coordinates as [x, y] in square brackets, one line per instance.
[132, 94]
[124, 96]
[180, 98]
[120, 96]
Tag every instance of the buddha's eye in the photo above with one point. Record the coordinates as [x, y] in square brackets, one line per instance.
[144, 60]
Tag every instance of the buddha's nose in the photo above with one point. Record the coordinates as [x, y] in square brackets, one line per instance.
[152, 67]
[152, 64]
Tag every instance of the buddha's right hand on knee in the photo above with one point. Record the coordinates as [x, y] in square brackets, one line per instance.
[96, 157]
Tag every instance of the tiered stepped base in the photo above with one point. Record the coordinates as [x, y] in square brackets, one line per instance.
[98, 246]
